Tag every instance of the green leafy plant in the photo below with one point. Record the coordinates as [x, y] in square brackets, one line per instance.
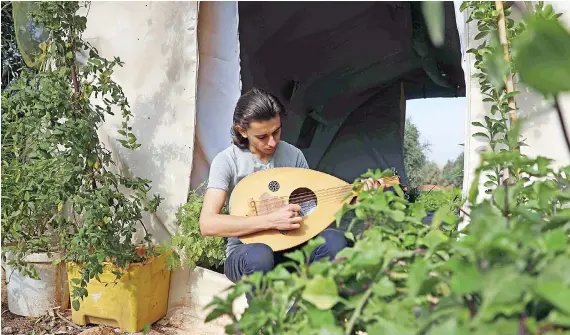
[67, 102]
[505, 273]
[508, 274]
[11, 58]
[195, 249]
[492, 68]
[433, 200]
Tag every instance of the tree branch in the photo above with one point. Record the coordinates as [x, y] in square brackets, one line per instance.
[562, 123]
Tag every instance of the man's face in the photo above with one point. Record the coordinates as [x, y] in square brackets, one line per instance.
[263, 136]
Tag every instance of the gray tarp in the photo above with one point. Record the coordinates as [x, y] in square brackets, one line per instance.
[337, 66]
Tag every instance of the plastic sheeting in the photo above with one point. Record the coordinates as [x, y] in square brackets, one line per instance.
[157, 41]
[218, 83]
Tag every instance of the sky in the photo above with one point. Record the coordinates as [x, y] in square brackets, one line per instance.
[441, 122]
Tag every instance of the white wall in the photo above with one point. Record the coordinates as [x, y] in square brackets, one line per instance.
[157, 41]
[543, 133]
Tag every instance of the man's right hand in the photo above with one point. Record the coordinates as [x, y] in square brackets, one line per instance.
[286, 217]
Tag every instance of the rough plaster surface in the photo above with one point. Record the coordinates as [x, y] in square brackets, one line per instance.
[542, 133]
[157, 41]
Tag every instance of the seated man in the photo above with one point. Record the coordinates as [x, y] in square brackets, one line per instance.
[256, 132]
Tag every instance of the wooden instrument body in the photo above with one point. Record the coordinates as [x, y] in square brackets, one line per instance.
[267, 190]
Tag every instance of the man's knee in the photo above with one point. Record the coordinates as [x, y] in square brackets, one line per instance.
[258, 257]
[334, 243]
[334, 239]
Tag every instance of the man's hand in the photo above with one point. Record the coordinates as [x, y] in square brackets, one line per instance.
[370, 184]
[286, 217]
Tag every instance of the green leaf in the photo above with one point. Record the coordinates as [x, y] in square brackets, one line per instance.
[466, 277]
[321, 292]
[318, 317]
[556, 293]
[434, 238]
[384, 287]
[397, 216]
[387, 327]
[557, 318]
[482, 135]
[556, 240]
[418, 273]
[481, 35]
[75, 304]
[216, 313]
[504, 296]
[557, 221]
[495, 64]
[434, 17]
[297, 256]
[447, 327]
[541, 54]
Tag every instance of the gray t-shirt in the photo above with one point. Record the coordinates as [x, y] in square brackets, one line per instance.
[233, 164]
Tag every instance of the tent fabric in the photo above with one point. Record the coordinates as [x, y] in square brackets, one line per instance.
[337, 66]
[157, 41]
[218, 83]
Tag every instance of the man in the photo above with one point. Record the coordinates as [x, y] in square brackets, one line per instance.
[256, 146]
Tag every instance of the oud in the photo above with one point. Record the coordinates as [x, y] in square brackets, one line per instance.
[319, 195]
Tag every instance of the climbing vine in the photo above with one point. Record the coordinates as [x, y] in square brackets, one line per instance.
[496, 70]
[492, 67]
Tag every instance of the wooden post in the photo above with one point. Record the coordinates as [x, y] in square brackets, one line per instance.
[502, 24]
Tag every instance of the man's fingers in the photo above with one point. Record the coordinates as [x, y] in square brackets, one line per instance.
[295, 219]
[294, 207]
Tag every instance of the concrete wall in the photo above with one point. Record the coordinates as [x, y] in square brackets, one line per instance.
[543, 133]
[158, 43]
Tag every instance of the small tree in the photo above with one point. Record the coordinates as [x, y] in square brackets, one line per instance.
[415, 153]
[68, 102]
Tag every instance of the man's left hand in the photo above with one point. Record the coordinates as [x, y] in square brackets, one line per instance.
[372, 184]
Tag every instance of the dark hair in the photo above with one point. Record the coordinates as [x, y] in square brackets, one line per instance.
[255, 105]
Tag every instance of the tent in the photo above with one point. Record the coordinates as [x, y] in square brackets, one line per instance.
[186, 64]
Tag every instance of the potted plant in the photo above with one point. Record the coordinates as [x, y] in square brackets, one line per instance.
[35, 180]
[193, 249]
[75, 93]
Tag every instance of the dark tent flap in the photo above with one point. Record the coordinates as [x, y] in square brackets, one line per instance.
[337, 65]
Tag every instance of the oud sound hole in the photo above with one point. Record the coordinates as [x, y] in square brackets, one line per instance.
[305, 198]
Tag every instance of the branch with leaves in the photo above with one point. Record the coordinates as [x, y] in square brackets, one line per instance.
[51, 117]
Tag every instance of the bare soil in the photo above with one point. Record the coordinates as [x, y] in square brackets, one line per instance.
[59, 323]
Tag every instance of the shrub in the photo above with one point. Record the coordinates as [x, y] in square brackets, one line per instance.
[433, 200]
[195, 249]
[509, 272]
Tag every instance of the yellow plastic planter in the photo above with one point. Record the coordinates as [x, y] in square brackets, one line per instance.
[139, 298]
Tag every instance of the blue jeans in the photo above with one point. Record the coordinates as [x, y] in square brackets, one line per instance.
[249, 258]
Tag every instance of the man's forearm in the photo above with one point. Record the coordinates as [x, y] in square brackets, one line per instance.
[222, 225]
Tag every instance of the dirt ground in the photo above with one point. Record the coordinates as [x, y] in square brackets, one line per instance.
[58, 323]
